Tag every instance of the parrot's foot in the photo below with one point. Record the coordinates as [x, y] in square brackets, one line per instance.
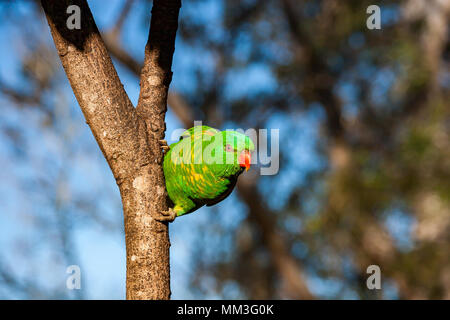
[164, 146]
[167, 216]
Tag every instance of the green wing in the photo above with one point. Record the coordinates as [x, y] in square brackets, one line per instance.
[192, 185]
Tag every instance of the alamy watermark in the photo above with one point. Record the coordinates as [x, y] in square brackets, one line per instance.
[374, 280]
[74, 20]
[74, 280]
[374, 20]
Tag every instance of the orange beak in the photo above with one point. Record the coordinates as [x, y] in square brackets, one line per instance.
[245, 159]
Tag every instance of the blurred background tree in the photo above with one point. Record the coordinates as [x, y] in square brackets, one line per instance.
[364, 175]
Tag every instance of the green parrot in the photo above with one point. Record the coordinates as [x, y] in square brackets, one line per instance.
[202, 168]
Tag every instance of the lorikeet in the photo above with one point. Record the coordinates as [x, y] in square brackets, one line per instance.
[202, 168]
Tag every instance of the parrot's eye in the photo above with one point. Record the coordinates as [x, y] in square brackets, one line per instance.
[229, 148]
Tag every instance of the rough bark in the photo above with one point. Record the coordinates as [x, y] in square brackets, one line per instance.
[147, 240]
[128, 137]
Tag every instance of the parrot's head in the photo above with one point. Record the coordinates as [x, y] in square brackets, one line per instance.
[226, 153]
[238, 147]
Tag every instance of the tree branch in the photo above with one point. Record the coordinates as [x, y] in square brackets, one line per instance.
[127, 137]
[96, 85]
[117, 28]
[148, 265]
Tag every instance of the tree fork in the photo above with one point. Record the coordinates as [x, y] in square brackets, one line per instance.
[128, 137]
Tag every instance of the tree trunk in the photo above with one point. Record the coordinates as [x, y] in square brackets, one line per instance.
[128, 137]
